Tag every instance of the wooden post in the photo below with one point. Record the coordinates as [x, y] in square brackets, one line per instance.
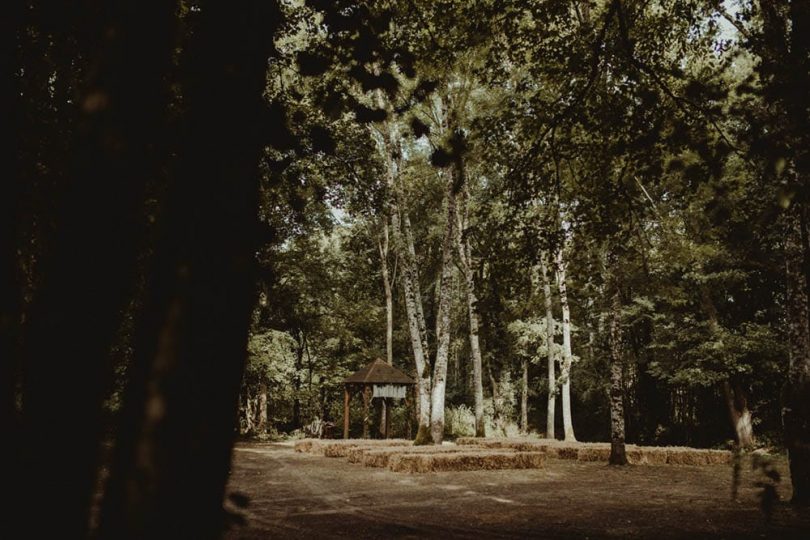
[346, 398]
[389, 403]
[366, 402]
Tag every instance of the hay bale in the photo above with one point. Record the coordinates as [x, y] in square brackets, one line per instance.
[652, 455]
[380, 457]
[593, 453]
[563, 451]
[465, 461]
[677, 455]
[341, 448]
[304, 445]
[472, 440]
[635, 455]
[719, 457]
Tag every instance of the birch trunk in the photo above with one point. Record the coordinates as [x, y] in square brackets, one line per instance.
[389, 302]
[565, 372]
[796, 395]
[739, 414]
[403, 241]
[524, 398]
[465, 258]
[443, 322]
[552, 383]
[617, 453]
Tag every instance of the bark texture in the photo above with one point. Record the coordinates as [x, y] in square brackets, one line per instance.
[88, 274]
[443, 318]
[389, 300]
[796, 394]
[466, 264]
[261, 409]
[552, 383]
[172, 462]
[565, 371]
[403, 241]
[617, 451]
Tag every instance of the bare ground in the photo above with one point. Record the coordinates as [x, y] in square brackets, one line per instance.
[294, 495]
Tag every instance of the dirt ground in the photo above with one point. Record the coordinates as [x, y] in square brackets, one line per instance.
[293, 495]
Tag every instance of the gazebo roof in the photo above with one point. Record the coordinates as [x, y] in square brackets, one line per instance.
[378, 372]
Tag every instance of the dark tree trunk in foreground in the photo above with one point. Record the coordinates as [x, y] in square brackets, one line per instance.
[173, 456]
[10, 289]
[796, 395]
[89, 272]
[617, 454]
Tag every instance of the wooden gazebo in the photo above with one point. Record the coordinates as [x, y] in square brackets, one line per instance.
[377, 380]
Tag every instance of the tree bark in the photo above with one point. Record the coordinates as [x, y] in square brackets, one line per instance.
[524, 397]
[617, 451]
[89, 274]
[552, 384]
[11, 289]
[346, 399]
[389, 299]
[261, 409]
[465, 258]
[443, 322]
[796, 394]
[565, 371]
[403, 241]
[739, 414]
[173, 457]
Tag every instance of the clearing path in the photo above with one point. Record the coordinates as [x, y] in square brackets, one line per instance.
[298, 495]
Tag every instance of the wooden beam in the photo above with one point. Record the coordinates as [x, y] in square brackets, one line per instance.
[346, 398]
[366, 402]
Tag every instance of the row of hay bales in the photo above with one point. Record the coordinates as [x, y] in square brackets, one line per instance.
[402, 456]
[638, 455]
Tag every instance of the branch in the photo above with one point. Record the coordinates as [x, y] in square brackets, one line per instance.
[596, 58]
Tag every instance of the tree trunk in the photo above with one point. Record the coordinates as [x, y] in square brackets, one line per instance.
[346, 410]
[249, 414]
[465, 258]
[11, 287]
[617, 453]
[389, 300]
[443, 321]
[796, 394]
[261, 409]
[739, 414]
[116, 150]
[403, 241]
[498, 418]
[524, 397]
[384, 418]
[552, 384]
[175, 438]
[299, 365]
[565, 372]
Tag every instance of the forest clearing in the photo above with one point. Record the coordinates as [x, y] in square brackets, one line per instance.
[384, 268]
[297, 495]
